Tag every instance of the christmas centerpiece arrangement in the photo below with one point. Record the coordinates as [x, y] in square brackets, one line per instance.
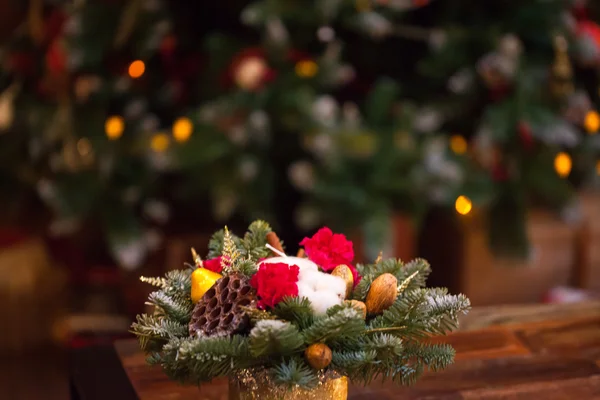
[295, 327]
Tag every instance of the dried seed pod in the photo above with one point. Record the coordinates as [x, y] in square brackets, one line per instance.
[382, 294]
[318, 355]
[343, 271]
[359, 305]
[221, 312]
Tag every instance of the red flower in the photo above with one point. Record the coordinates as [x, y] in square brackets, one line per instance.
[214, 265]
[275, 281]
[328, 250]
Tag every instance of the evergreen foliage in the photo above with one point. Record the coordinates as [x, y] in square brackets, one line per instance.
[345, 322]
[255, 240]
[272, 338]
[395, 267]
[294, 372]
[386, 346]
[297, 310]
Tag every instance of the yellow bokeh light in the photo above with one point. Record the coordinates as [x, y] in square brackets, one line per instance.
[114, 127]
[563, 164]
[306, 69]
[137, 69]
[592, 122]
[160, 142]
[463, 205]
[458, 144]
[182, 129]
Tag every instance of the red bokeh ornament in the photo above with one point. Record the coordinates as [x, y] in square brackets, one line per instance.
[56, 58]
[525, 135]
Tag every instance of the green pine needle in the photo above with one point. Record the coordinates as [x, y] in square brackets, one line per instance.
[294, 373]
[275, 338]
[346, 322]
[297, 310]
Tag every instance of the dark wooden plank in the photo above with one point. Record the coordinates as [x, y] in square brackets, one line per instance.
[39, 374]
[578, 388]
[582, 337]
[484, 344]
[489, 378]
[97, 374]
[505, 316]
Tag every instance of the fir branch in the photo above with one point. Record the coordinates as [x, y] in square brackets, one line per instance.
[358, 366]
[203, 359]
[422, 312]
[215, 244]
[246, 266]
[171, 307]
[255, 240]
[153, 331]
[297, 310]
[422, 269]
[433, 356]
[384, 345]
[154, 358]
[397, 268]
[274, 338]
[346, 322]
[178, 284]
[402, 315]
[294, 372]
[440, 314]
[230, 253]
[405, 374]
[353, 360]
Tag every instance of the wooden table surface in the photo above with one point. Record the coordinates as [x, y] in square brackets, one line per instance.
[526, 352]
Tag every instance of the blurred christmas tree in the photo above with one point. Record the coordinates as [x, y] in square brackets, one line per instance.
[92, 109]
[503, 79]
[125, 116]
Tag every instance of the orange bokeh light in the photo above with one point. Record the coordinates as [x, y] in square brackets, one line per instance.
[137, 69]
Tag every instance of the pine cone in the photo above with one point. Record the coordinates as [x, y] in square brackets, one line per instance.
[220, 312]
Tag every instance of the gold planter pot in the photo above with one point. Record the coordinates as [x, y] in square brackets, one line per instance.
[258, 386]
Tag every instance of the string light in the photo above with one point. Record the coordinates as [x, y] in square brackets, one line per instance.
[463, 205]
[458, 144]
[114, 127]
[160, 142]
[182, 129]
[136, 69]
[563, 164]
[592, 122]
[306, 69]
